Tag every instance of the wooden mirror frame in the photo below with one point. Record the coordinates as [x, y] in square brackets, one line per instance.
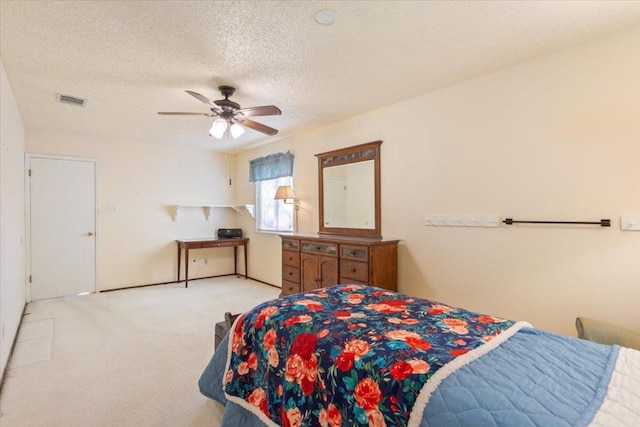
[343, 156]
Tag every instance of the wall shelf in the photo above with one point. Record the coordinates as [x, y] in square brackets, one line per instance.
[208, 209]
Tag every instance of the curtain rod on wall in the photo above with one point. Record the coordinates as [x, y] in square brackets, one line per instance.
[602, 222]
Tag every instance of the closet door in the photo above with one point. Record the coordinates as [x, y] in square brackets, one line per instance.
[62, 226]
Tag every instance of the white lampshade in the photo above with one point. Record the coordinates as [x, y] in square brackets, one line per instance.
[285, 192]
[236, 130]
[218, 128]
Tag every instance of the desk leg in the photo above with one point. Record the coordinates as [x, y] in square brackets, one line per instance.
[235, 260]
[186, 267]
[179, 251]
[246, 264]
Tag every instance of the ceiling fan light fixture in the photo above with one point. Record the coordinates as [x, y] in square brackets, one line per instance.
[230, 116]
[218, 128]
[236, 130]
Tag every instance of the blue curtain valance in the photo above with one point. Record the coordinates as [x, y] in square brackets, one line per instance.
[271, 167]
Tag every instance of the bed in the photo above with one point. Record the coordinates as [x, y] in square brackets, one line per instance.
[356, 355]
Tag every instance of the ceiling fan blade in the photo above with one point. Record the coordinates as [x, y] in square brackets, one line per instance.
[266, 110]
[203, 99]
[172, 113]
[257, 126]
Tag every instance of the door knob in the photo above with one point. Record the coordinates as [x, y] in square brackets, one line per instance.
[90, 234]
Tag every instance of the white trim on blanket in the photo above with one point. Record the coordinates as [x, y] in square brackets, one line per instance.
[432, 383]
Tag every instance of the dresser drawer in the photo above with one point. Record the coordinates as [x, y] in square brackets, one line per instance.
[291, 258]
[354, 270]
[330, 249]
[291, 245]
[358, 253]
[291, 274]
[289, 288]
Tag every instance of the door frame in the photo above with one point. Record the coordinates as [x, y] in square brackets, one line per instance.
[27, 186]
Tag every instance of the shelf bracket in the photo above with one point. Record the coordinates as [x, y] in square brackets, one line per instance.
[175, 210]
[208, 210]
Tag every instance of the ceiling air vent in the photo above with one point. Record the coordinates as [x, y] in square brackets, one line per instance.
[71, 100]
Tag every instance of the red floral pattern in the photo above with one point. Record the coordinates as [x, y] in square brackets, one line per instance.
[332, 356]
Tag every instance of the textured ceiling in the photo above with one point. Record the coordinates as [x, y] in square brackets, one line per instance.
[131, 59]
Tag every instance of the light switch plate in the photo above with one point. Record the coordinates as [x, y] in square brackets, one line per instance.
[462, 221]
[630, 223]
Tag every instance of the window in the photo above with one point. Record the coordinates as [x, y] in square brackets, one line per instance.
[271, 214]
[268, 173]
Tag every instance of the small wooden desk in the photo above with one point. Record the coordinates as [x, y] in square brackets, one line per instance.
[207, 243]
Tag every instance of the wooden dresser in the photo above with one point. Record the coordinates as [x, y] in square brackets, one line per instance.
[317, 261]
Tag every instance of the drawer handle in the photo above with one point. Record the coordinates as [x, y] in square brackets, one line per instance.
[353, 270]
[290, 258]
[291, 273]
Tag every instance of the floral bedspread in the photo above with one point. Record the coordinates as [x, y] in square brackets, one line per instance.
[348, 355]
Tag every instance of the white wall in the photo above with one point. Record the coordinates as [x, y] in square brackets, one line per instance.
[136, 244]
[556, 138]
[12, 260]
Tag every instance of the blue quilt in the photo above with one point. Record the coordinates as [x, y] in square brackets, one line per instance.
[535, 378]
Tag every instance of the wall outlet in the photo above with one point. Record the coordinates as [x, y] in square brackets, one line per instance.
[113, 208]
[630, 223]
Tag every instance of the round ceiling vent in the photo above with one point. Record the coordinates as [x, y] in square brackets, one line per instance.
[326, 17]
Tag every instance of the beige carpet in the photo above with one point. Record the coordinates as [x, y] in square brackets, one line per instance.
[121, 358]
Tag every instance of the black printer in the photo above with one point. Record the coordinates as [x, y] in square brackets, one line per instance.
[229, 233]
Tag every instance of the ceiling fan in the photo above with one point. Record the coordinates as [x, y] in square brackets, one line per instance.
[230, 115]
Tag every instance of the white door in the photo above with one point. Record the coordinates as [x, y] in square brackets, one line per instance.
[62, 207]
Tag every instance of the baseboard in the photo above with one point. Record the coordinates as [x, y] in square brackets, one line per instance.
[266, 283]
[190, 280]
[13, 346]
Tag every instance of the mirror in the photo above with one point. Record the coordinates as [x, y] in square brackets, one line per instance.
[349, 190]
[349, 197]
